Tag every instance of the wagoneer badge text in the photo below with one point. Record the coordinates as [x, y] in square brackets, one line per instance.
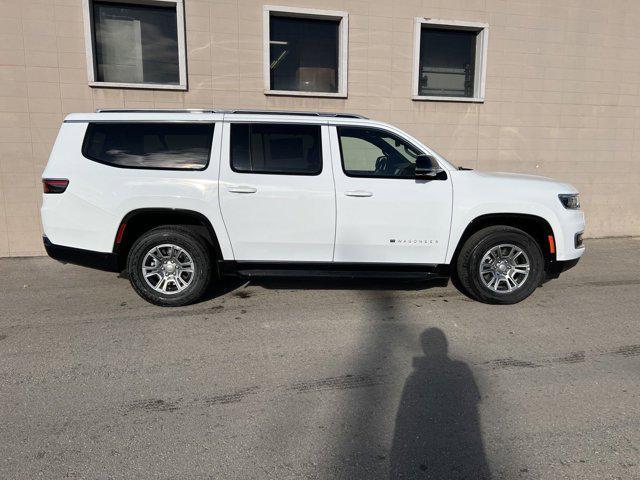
[413, 241]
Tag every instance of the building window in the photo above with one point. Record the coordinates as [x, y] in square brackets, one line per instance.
[135, 43]
[449, 60]
[305, 52]
[283, 149]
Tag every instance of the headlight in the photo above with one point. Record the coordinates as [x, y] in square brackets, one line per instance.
[570, 200]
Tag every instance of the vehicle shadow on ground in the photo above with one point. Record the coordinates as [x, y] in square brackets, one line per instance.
[437, 431]
[231, 283]
[347, 284]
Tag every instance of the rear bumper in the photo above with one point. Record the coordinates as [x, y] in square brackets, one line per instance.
[86, 258]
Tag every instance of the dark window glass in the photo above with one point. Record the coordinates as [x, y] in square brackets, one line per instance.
[183, 146]
[447, 62]
[276, 148]
[135, 43]
[304, 54]
[368, 152]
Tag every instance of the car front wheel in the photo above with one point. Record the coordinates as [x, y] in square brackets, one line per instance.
[169, 266]
[501, 265]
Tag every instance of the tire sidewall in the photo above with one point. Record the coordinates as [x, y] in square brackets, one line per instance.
[536, 272]
[184, 239]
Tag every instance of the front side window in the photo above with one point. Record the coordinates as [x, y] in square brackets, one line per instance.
[369, 152]
[171, 146]
[137, 44]
[276, 148]
[305, 51]
[450, 60]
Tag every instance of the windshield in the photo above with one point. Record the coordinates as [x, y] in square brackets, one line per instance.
[412, 152]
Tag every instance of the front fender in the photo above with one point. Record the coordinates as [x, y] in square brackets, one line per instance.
[463, 217]
[476, 194]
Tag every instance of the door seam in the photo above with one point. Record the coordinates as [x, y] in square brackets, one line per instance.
[331, 133]
[224, 224]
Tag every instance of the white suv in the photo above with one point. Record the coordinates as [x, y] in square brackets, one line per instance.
[182, 198]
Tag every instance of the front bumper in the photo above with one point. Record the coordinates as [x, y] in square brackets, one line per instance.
[86, 258]
[556, 268]
[569, 235]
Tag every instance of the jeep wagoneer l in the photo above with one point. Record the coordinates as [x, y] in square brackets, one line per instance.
[179, 199]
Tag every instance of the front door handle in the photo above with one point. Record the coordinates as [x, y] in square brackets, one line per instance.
[241, 189]
[358, 193]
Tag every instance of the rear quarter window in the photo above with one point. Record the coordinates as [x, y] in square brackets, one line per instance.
[164, 146]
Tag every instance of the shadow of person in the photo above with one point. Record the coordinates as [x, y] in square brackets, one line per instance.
[437, 432]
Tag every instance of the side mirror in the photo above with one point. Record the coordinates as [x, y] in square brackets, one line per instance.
[426, 167]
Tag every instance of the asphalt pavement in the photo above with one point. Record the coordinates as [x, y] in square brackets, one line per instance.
[309, 379]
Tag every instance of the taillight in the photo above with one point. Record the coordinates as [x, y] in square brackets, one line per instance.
[57, 185]
[120, 233]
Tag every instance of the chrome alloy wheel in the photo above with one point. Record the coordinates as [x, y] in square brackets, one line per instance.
[168, 268]
[504, 268]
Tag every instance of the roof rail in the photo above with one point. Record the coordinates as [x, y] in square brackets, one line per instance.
[294, 112]
[159, 110]
[248, 112]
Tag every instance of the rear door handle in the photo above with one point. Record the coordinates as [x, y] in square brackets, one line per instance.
[358, 193]
[241, 189]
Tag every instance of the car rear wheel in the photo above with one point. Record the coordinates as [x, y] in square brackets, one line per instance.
[500, 264]
[170, 266]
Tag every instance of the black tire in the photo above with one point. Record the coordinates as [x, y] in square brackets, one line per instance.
[468, 264]
[455, 280]
[184, 238]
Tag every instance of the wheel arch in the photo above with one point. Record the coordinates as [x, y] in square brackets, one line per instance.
[141, 220]
[536, 226]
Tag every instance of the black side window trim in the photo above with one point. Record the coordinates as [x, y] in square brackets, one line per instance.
[377, 129]
[297, 174]
[90, 125]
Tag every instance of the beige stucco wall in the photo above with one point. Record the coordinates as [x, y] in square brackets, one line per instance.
[562, 95]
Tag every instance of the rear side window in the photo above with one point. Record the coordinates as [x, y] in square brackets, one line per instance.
[276, 148]
[168, 146]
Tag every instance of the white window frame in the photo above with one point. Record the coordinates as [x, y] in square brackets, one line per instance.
[343, 47]
[480, 73]
[90, 47]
